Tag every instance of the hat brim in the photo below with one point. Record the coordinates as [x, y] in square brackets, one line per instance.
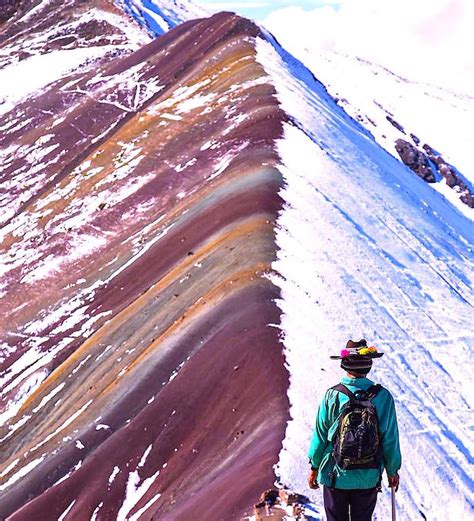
[369, 355]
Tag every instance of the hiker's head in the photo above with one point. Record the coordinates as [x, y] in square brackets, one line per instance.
[357, 357]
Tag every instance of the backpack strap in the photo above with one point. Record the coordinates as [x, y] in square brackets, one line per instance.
[371, 392]
[344, 390]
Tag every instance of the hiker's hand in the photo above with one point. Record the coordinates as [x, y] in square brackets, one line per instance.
[313, 480]
[394, 481]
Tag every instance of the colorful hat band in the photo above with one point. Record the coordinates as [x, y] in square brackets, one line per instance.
[351, 351]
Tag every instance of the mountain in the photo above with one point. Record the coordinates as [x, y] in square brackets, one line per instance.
[160, 16]
[189, 228]
[138, 369]
[425, 126]
[43, 41]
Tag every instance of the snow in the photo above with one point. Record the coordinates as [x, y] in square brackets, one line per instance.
[96, 511]
[63, 516]
[145, 456]
[21, 473]
[42, 67]
[366, 250]
[134, 493]
[438, 117]
[68, 422]
[30, 381]
[33, 74]
[113, 475]
[140, 511]
[158, 16]
[48, 397]
[184, 98]
[77, 466]
[9, 467]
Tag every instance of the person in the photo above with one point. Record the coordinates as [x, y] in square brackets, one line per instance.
[351, 486]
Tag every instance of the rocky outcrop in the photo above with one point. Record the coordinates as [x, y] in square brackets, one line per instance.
[281, 505]
[427, 161]
[415, 160]
[452, 177]
[395, 123]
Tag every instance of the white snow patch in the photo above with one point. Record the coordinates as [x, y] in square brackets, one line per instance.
[145, 456]
[36, 72]
[48, 397]
[63, 516]
[113, 475]
[96, 511]
[21, 473]
[7, 469]
[134, 493]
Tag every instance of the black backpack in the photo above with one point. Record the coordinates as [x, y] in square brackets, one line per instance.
[357, 443]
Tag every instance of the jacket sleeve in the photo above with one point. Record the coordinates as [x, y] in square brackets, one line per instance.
[392, 457]
[320, 441]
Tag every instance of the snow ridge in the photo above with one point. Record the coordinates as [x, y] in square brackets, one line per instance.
[367, 251]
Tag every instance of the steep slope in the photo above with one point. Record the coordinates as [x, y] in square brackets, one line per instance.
[160, 16]
[140, 376]
[426, 127]
[42, 41]
[366, 251]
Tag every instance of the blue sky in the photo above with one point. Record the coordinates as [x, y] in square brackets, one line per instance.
[259, 9]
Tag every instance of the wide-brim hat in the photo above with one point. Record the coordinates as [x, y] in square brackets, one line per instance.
[357, 350]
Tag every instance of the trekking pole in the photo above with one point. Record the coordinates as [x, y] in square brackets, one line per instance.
[394, 511]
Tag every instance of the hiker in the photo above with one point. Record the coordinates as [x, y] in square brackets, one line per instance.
[355, 438]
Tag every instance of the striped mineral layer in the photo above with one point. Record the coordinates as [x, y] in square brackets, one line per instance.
[142, 374]
[161, 202]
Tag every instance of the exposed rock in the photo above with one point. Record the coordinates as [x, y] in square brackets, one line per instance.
[415, 160]
[420, 162]
[396, 124]
[8, 9]
[112, 175]
[280, 505]
[450, 174]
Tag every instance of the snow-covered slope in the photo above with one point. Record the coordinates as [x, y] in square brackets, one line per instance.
[45, 41]
[158, 16]
[367, 251]
[393, 108]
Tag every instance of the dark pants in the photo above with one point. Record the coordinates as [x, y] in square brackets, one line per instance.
[359, 502]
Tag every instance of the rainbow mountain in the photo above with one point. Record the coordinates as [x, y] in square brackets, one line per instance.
[190, 226]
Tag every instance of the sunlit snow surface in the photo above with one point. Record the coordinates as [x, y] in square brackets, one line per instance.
[370, 93]
[42, 66]
[368, 250]
[158, 16]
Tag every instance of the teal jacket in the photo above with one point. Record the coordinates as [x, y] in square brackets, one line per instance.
[326, 424]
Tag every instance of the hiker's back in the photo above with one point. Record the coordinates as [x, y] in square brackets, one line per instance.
[356, 442]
